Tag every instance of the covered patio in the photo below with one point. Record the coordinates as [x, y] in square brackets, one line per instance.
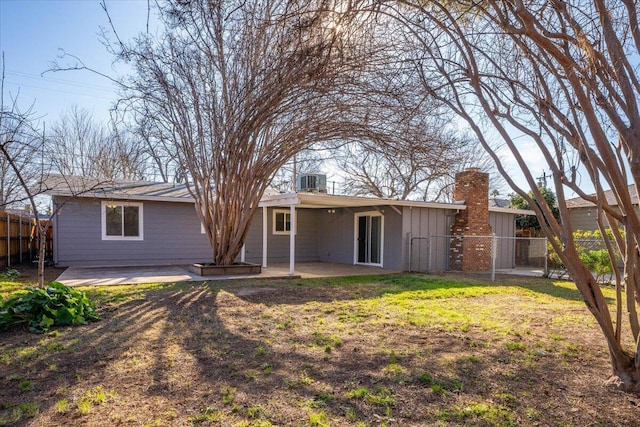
[102, 276]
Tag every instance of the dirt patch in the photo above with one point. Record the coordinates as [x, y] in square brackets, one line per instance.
[288, 354]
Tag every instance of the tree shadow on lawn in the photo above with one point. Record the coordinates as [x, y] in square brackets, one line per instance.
[205, 351]
[434, 285]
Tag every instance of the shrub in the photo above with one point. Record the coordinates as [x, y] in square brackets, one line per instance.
[591, 250]
[56, 305]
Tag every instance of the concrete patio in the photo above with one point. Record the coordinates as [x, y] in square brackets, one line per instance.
[99, 276]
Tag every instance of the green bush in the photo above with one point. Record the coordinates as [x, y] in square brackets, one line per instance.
[56, 305]
[598, 261]
[591, 250]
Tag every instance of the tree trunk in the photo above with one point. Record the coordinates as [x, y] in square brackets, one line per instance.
[625, 372]
[626, 376]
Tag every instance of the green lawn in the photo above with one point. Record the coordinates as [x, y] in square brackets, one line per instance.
[363, 351]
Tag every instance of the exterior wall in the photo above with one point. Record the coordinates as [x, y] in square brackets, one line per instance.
[583, 219]
[172, 235]
[504, 227]
[336, 236]
[278, 244]
[429, 229]
[395, 251]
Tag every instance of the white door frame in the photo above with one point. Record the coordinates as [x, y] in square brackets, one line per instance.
[356, 217]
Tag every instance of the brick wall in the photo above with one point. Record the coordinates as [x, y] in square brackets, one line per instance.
[471, 253]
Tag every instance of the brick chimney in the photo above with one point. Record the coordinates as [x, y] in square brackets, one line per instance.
[471, 253]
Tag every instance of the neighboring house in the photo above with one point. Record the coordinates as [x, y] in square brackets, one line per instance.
[143, 223]
[583, 214]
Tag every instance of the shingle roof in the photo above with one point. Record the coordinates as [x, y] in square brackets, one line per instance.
[499, 203]
[57, 185]
[578, 202]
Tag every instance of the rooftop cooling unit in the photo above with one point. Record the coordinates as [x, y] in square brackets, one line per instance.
[312, 182]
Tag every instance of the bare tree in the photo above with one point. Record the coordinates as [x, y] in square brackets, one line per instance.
[564, 75]
[21, 142]
[14, 126]
[238, 88]
[159, 153]
[78, 145]
[420, 165]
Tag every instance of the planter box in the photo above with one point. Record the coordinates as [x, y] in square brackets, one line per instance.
[226, 270]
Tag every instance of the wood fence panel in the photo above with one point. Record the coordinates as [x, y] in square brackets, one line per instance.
[15, 239]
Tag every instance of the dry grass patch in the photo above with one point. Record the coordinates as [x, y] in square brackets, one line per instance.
[406, 350]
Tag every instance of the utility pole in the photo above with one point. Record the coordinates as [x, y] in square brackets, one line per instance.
[542, 180]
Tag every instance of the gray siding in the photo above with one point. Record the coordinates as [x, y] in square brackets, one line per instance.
[504, 227]
[336, 235]
[585, 218]
[278, 244]
[172, 235]
[394, 248]
[428, 228]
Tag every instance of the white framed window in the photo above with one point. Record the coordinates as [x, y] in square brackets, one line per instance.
[281, 221]
[122, 221]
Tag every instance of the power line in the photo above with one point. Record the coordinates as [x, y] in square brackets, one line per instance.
[61, 81]
[60, 91]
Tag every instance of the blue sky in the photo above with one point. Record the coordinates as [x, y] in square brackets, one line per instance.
[32, 32]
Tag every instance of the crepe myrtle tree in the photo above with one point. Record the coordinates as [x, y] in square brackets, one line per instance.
[563, 76]
[238, 88]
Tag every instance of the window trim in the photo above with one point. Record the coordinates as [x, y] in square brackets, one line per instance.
[103, 213]
[286, 213]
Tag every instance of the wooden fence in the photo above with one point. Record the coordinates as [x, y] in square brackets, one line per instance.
[19, 239]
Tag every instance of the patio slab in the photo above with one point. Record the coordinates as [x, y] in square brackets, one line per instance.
[99, 276]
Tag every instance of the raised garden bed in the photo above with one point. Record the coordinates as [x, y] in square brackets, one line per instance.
[226, 270]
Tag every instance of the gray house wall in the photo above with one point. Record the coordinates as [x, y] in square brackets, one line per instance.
[172, 235]
[503, 225]
[336, 236]
[419, 224]
[278, 244]
[585, 218]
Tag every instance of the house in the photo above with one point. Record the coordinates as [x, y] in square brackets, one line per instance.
[583, 214]
[144, 223]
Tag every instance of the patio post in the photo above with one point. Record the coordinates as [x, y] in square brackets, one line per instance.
[264, 236]
[292, 239]
[243, 252]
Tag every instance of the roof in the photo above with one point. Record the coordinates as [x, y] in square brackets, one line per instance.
[323, 200]
[609, 195]
[499, 203]
[56, 185]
